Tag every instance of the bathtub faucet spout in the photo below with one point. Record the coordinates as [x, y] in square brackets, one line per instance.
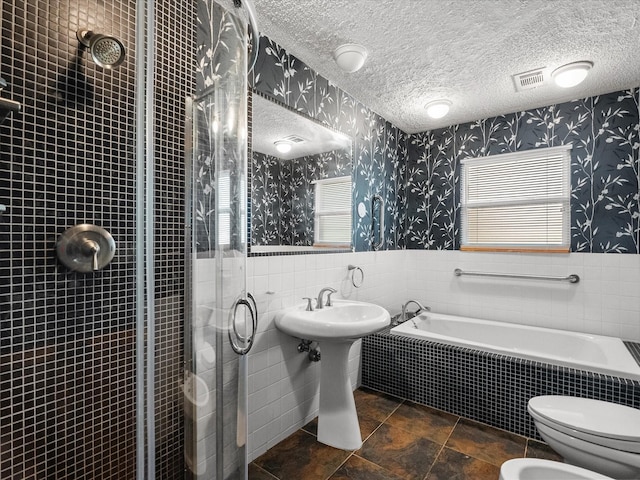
[421, 308]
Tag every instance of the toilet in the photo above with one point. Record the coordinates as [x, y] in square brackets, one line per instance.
[600, 436]
[537, 469]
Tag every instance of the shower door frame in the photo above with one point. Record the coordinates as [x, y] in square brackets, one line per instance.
[145, 238]
[216, 158]
[242, 323]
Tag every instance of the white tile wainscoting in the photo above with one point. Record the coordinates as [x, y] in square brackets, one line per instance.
[283, 384]
[606, 301]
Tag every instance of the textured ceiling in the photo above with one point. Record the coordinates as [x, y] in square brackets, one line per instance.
[272, 122]
[462, 50]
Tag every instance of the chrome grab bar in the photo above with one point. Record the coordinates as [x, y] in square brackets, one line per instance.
[573, 278]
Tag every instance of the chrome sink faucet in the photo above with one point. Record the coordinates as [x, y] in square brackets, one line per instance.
[421, 308]
[325, 289]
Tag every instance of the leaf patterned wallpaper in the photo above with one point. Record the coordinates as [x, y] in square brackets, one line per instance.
[220, 93]
[283, 195]
[379, 145]
[605, 159]
[418, 174]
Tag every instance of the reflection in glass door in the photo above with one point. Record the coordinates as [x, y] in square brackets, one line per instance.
[220, 315]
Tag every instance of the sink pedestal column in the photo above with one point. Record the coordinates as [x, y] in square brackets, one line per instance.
[337, 418]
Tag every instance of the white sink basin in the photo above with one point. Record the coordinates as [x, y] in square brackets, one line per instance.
[335, 328]
[343, 320]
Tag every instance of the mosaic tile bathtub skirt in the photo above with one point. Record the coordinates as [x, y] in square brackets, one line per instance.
[482, 386]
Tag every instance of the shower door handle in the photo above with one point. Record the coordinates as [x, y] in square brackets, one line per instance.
[234, 334]
[255, 310]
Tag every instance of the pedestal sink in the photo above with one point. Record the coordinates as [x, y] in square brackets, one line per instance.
[335, 328]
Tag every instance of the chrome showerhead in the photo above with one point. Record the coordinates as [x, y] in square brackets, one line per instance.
[106, 51]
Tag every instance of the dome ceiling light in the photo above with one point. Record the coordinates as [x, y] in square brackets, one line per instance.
[438, 108]
[350, 57]
[571, 74]
[283, 146]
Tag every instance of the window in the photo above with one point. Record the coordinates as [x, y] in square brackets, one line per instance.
[224, 204]
[517, 201]
[332, 223]
[227, 207]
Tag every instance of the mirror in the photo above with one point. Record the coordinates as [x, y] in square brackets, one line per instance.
[291, 155]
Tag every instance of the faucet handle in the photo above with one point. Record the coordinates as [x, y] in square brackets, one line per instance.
[328, 302]
[309, 304]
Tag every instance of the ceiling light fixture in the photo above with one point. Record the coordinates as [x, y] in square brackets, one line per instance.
[438, 108]
[571, 74]
[350, 57]
[283, 146]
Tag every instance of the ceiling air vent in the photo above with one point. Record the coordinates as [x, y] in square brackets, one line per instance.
[529, 80]
[293, 139]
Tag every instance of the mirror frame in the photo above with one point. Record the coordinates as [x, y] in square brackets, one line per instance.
[311, 250]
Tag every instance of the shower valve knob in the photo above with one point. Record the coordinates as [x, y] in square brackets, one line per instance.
[92, 248]
[86, 248]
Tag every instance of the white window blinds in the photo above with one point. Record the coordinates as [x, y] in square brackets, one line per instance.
[227, 206]
[517, 200]
[333, 211]
[224, 205]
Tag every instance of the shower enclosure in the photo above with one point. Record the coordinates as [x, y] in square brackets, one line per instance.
[221, 317]
[135, 370]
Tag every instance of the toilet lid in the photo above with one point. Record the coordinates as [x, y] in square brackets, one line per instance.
[527, 468]
[603, 419]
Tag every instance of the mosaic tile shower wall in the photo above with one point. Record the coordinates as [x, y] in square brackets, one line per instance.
[68, 339]
[174, 80]
[379, 146]
[487, 387]
[605, 166]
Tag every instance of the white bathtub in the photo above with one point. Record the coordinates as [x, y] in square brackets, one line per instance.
[595, 353]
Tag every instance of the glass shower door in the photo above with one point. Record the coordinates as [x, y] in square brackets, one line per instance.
[220, 315]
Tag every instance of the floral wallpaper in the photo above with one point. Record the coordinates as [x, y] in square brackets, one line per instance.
[220, 94]
[283, 195]
[270, 200]
[418, 174]
[379, 146]
[604, 133]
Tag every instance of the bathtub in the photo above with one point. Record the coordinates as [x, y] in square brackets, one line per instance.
[594, 353]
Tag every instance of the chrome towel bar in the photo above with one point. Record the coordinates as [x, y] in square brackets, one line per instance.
[573, 278]
[353, 269]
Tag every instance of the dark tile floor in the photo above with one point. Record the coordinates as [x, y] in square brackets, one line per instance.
[402, 440]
